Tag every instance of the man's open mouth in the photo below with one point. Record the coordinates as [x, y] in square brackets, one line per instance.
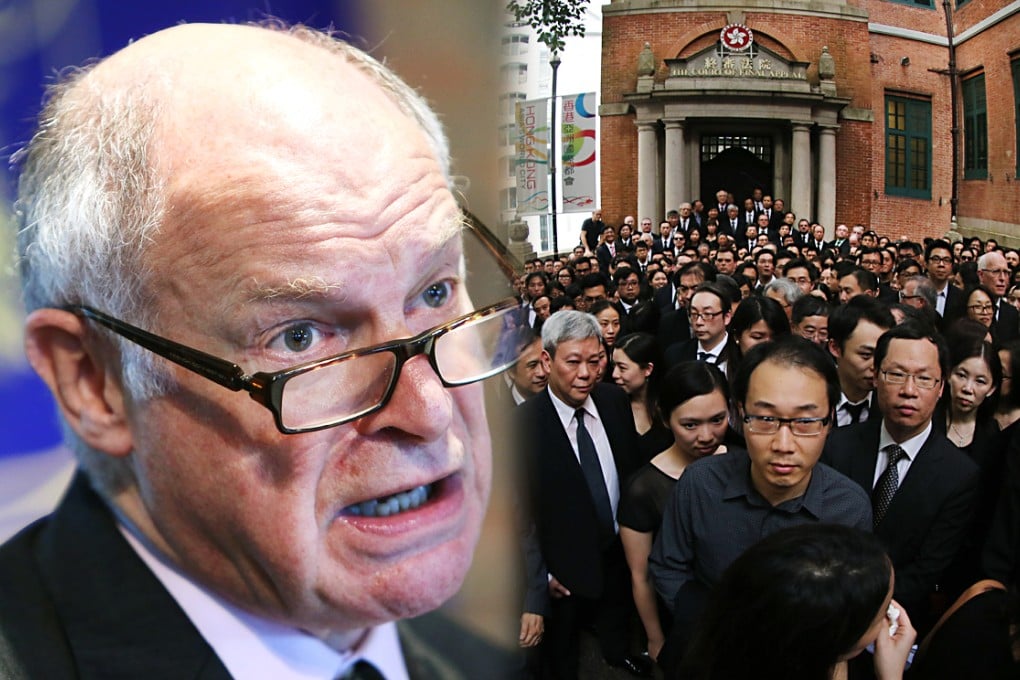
[392, 505]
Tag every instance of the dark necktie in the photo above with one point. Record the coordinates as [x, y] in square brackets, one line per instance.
[855, 411]
[706, 356]
[592, 470]
[362, 670]
[887, 484]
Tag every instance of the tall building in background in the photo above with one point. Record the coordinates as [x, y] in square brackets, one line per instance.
[841, 107]
[527, 75]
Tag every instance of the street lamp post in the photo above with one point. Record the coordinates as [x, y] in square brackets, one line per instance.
[555, 63]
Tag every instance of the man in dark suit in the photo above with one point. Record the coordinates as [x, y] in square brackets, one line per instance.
[607, 250]
[578, 444]
[841, 244]
[938, 259]
[212, 533]
[709, 314]
[854, 330]
[923, 488]
[994, 274]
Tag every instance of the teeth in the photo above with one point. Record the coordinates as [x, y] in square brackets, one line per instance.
[391, 505]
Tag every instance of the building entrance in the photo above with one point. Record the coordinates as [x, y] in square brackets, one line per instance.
[737, 163]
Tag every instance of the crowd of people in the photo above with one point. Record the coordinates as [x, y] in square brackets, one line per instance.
[694, 397]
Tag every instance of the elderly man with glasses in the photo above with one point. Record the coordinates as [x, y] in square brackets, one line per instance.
[994, 274]
[247, 284]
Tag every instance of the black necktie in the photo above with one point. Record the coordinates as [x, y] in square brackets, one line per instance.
[706, 356]
[592, 470]
[362, 670]
[887, 484]
[855, 411]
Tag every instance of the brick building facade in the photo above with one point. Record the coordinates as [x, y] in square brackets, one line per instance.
[844, 109]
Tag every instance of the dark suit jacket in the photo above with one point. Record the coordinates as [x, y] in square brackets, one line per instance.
[1007, 326]
[605, 257]
[930, 513]
[688, 351]
[559, 503]
[77, 602]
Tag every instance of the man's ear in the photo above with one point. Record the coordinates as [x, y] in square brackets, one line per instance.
[82, 378]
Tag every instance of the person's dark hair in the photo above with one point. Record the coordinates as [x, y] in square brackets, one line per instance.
[708, 272]
[538, 275]
[687, 380]
[937, 244]
[759, 308]
[801, 263]
[912, 331]
[969, 273]
[961, 349]
[904, 265]
[844, 318]
[844, 267]
[865, 280]
[594, 279]
[623, 272]
[565, 301]
[927, 316]
[644, 350]
[789, 350]
[725, 298]
[912, 246]
[1011, 400]
[741, 281]
[791, 606]
[602, 305]
[809, 305]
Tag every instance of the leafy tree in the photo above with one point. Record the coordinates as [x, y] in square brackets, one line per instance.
[553, 20]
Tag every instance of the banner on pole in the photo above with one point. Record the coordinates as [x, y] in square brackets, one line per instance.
[578, 158]
[532, 157]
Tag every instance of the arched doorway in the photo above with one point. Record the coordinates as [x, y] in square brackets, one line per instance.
[737, 163]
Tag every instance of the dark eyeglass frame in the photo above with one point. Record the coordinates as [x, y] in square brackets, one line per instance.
[750, 420]
[267, 388]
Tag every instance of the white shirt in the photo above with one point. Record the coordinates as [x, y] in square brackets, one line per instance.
[251, 647]
[940, 300]
[843, 416]
[714, 352]
[911, 447]
[593, 423]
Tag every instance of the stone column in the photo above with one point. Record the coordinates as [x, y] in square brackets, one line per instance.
[647, 163]
[826, 214]
[800, 177]
[676, 165]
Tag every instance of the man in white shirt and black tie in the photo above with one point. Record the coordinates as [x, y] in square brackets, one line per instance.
[923, 488]
[854, 329]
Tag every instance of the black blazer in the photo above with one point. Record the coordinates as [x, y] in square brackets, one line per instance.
[1007, 326]
[76, 601]
[559, 505]
[688, 351]
[930, 513]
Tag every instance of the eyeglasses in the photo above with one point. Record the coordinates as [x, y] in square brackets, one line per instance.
[904, 296]
[801, 427]
[335, 390]
[707, 316]
[935, 259]
[997, 272]
[900, 378]
[981, 309]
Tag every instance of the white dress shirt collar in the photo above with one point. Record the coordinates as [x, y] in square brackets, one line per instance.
[251, 647]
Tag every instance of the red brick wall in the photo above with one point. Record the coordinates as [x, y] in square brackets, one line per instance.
[860, 146]
[998, 197]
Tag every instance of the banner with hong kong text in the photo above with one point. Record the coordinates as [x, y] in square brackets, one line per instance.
[578, 158]
[533, 157]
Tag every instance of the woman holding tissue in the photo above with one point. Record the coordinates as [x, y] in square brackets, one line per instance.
[799, 604]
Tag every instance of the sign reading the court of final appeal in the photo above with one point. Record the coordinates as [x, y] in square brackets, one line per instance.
[737, 55]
